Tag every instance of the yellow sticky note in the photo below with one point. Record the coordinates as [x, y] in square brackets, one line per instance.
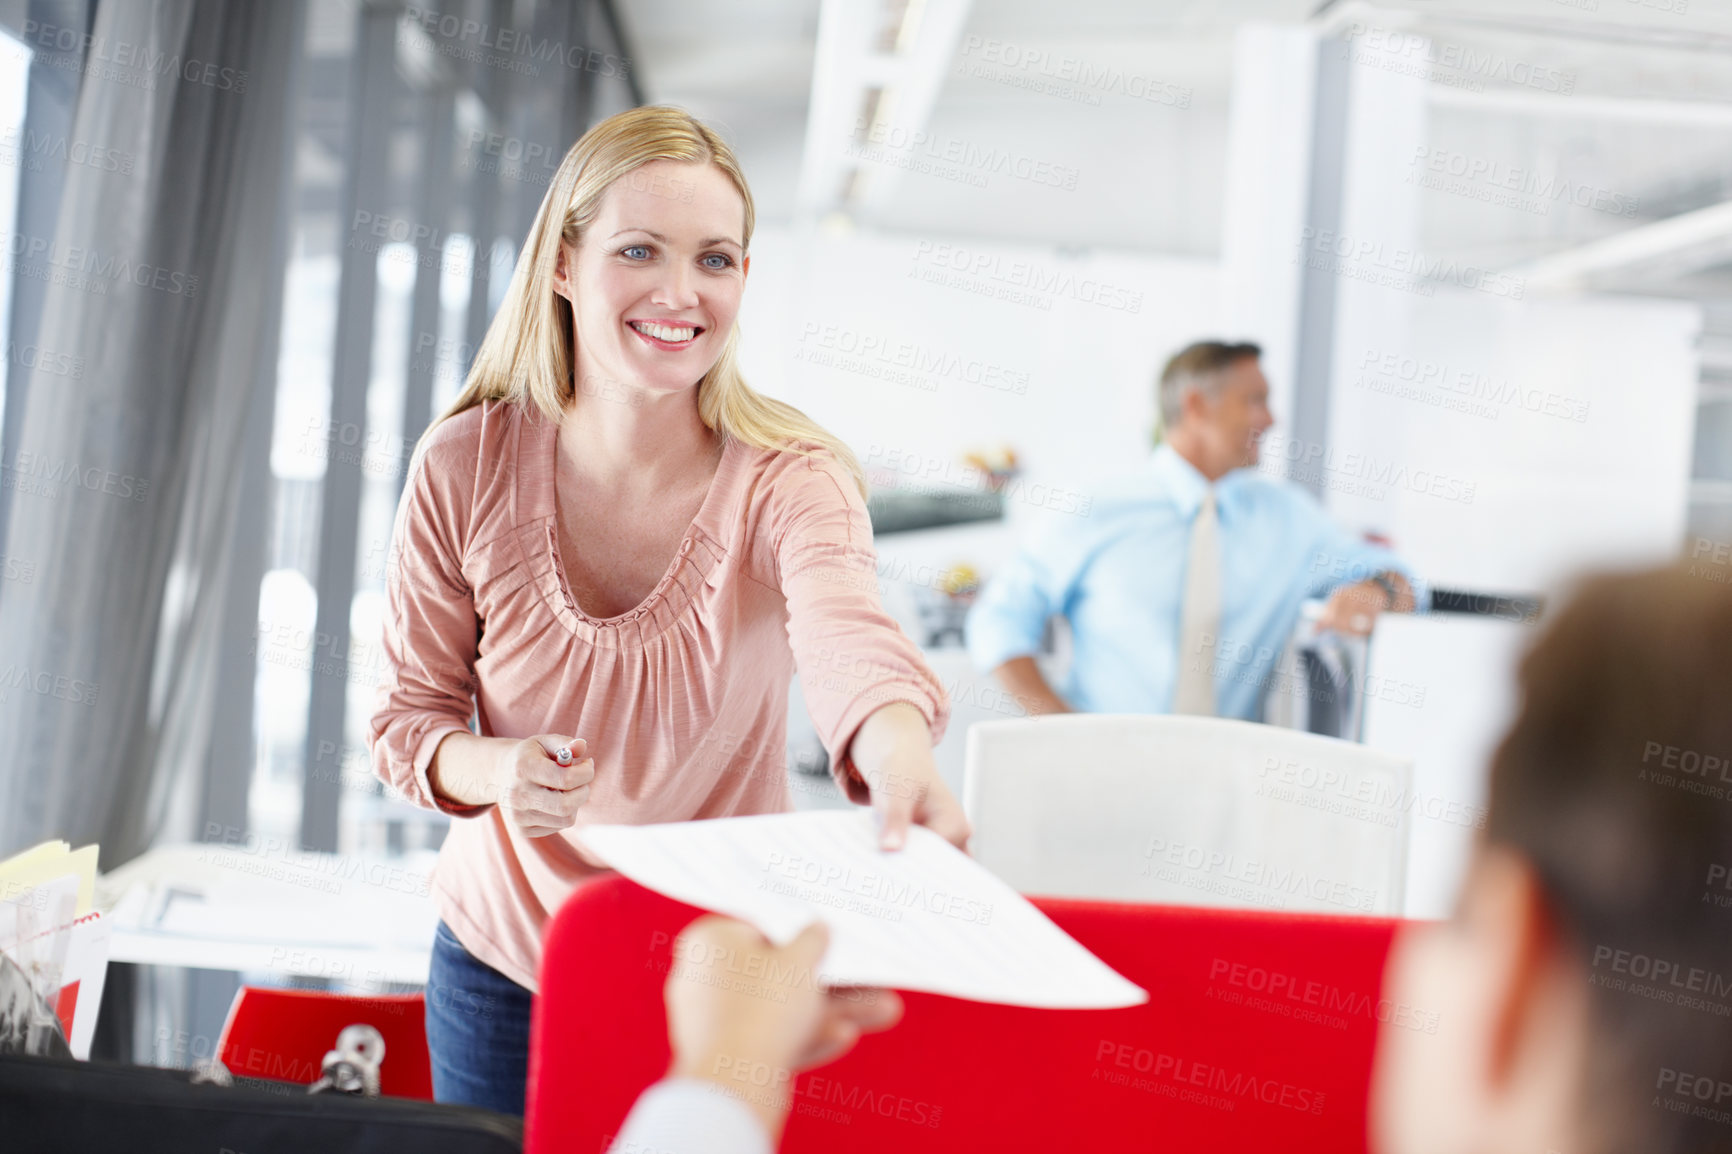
[44, 863]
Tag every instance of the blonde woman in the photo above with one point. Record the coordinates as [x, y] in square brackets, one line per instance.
[611, 544]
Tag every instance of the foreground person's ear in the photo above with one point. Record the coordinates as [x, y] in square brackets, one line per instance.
[1497, 1061]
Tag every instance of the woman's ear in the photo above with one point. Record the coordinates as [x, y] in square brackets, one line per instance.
[562, 273]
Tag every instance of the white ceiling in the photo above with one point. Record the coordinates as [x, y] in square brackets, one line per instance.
[1650, 117]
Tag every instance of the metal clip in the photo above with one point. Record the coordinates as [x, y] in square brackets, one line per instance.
[353, 1067]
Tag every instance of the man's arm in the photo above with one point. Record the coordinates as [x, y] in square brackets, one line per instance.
[1354, 608]
[1008, 621]
[1361, 579]
[1023, 678]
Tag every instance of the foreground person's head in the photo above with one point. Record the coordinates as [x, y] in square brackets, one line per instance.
[1583, 986]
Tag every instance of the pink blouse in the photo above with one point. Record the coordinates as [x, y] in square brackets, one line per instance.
[683, 700]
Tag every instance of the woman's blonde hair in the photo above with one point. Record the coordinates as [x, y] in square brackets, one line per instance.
[527, 354]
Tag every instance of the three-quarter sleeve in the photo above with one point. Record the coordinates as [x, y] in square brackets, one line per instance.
[852, 656]
[431, 630]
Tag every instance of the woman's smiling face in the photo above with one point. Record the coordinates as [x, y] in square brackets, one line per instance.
[655, 282]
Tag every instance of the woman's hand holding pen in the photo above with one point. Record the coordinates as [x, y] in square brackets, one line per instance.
[539, 789]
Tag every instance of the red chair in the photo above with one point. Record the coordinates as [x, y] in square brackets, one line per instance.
[1258, 1036]
[285, 1034]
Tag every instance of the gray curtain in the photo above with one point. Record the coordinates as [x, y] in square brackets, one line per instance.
[167, 281]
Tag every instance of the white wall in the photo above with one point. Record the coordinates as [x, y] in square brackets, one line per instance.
[1085, 370]
[1539, 436]
[1503, 439]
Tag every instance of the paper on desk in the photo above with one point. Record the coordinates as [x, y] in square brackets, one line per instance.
[40, 929]
[314, 900]
[45, 863]
[927, 917]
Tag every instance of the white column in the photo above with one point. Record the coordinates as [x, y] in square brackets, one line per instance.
[1268, 174]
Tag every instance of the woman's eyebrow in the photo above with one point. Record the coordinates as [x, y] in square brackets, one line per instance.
[705, 243]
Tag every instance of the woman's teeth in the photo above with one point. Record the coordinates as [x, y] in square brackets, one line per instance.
[663, 332]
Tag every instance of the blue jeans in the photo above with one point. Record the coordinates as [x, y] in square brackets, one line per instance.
[477, 1030]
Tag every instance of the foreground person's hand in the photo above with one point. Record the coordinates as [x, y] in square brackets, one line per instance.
[749, 1036]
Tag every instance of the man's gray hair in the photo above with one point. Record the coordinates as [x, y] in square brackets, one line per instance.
[1197, 365]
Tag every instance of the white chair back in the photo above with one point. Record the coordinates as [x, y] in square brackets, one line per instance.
[1189, 811]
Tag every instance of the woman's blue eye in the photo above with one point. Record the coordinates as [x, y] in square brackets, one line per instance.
[726, 261]
[635, 248]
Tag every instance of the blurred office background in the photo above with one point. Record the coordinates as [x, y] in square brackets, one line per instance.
[251, 248]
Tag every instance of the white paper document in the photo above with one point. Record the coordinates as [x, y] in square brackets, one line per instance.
[926, 917]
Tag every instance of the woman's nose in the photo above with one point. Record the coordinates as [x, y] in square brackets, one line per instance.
[677, 289]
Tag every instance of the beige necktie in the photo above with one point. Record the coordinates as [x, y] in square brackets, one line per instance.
[1200, 614]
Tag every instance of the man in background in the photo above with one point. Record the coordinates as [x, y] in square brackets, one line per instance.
[1184, 584]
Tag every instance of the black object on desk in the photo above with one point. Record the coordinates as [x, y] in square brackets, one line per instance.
[898, 511]
[1524, 609]
[49, 1104]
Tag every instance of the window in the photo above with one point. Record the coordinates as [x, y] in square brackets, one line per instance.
[410, 146]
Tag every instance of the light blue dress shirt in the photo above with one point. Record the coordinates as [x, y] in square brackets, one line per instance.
[1118, 576]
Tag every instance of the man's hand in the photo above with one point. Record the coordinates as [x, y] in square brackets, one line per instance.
[749, 1037]
[1354, 608]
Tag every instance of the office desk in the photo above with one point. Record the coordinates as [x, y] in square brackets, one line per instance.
[360, 923]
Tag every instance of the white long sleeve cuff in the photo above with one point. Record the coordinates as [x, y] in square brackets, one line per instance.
[689, 1116]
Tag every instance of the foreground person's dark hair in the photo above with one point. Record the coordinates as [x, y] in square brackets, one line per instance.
[1615, 783]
